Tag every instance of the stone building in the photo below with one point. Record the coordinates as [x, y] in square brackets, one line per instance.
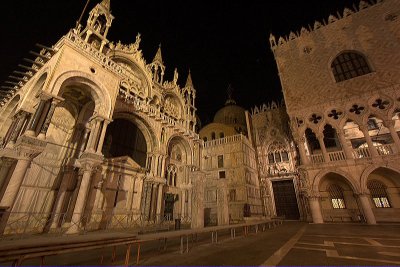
[277, 161]
[232, 187]
[95, 137]
[341, 84]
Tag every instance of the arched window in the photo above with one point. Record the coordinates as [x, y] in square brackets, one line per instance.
[212, 136]
[337, 199]
[312, 140]
[349, 65]
[378, 194]
[172, 175]
[271, 159]
[221, 135]
[330, 136]
[285, 156]
[205, 139]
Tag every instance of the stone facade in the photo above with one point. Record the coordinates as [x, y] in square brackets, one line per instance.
[340, 79]
[93, 137]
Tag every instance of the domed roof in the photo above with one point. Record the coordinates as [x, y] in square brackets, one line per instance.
[231, 114]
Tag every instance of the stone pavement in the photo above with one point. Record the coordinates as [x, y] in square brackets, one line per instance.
[293, 243]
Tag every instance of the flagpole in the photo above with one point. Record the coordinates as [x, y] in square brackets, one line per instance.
[78, 22]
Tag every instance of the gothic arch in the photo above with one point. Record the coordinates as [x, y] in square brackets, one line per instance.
[7, 113]
[121, 57]
[97, 90]
[178, 139]
[151, 139]
[347, 177]
[33, 92]
[366, 173]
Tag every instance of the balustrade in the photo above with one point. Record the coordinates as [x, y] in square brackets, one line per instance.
[336, 156]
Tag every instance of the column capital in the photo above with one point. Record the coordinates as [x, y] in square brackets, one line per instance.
[28, 147]
[389, 123]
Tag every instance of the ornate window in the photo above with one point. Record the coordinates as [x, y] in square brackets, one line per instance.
[337, 199]
[349, 65]
[172, 175]
[378, 194]
[220, 161]
[277, 153]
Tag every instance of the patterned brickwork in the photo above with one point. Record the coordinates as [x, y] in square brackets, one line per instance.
[304, 60]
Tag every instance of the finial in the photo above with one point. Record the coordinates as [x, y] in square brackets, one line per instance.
[230, 100]
[158, 56]
[106, 4]
[189, 82]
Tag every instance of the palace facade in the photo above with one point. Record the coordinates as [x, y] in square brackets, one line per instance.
[94, 137]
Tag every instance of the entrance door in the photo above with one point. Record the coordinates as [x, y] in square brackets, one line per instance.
[169, 206]
[285, 199]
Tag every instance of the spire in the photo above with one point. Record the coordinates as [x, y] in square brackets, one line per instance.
[189, 82]
[106, 4]
[230, 100]
[158, 56]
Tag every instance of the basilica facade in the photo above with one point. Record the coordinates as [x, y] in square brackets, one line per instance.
[93, 136]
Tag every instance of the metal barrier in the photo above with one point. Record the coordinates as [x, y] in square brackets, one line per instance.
[17, 256]
[29, 223]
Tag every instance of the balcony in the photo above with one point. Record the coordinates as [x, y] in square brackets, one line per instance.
[358, 153]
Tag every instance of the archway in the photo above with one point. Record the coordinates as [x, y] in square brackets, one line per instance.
[383, 185]
[179, 157]
[7, 115]
[124, 138]
[338, 203]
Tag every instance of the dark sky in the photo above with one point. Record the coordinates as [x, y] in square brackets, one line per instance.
[222, 42]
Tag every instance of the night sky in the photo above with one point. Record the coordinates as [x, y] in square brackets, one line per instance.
[222, 42]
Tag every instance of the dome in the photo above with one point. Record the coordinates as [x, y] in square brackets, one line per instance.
[231, 115]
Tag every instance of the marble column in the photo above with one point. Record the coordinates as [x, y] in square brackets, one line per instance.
[102, 136]
[81, 198]
[35, 119]
[183, 203]
[5, 165]
[366, 208]
[59, 202]
[22, 117]
[15, 182]
[160, 197]
[49, 116]
[371, 147]
[93, 136]
[323, 148]
[315, 208]
[347, 149]
[390, 125]
[82, 146]
[303, 156]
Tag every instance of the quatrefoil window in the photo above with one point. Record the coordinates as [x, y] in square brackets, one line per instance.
[356, 109]
[299, 122]
[335, 114]
[315, 118]
[381, 104]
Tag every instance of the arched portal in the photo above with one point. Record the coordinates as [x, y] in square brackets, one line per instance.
[124, 138]
[384, 194]
[179, 157]
[338, 203]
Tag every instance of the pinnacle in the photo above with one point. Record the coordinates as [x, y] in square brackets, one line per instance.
[189, 82]
[158, 56]
[106, 4]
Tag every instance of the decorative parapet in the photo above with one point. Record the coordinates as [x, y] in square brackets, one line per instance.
[93, 53]
[281, 40]
[227, 140]
[152, 111]
[265, 107]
